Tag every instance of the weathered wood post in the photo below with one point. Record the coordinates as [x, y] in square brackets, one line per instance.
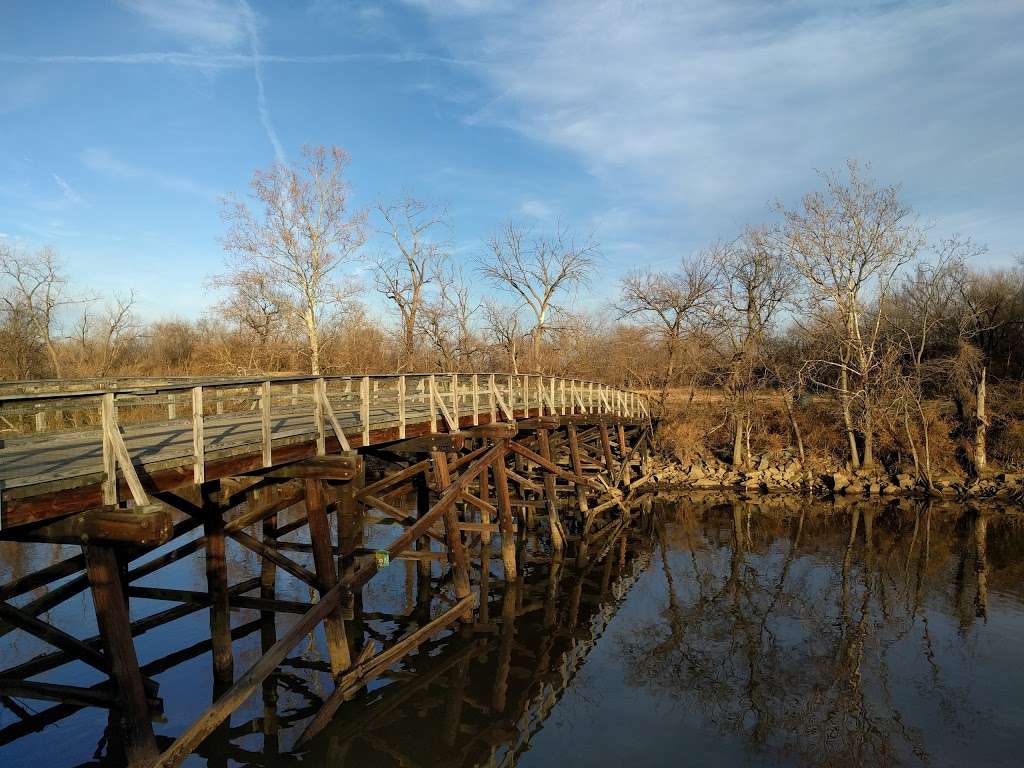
[364, 410]
[323, 560]
[318, 417]
[624, 455]
[217, 583]
[453, 536]
[198, 438]
[108, 597]
[401, 407]
[577, 469]
[505, 520]
[606, 447]
[265, 405]
[551, 494]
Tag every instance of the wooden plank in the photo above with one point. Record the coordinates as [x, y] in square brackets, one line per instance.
[318, 467]
[148, 526]
[54, 636]
[261, 549]
[339, 433]
[113, 440]
[453, 426]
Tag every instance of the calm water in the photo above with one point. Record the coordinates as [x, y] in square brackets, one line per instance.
[711, 633]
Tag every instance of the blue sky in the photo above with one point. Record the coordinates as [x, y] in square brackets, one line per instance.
[657, 126]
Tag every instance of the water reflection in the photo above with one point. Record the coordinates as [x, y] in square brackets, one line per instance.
[834, 635]
[710, 629]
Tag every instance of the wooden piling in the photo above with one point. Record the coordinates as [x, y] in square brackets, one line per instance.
[108, 596]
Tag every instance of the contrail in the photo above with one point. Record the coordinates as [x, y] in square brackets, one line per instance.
[261, 95]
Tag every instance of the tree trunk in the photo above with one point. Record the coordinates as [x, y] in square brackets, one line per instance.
[787, 399]
[314, 343]
[737, 441]
[869, 438]
[844, 396]
[980, 457]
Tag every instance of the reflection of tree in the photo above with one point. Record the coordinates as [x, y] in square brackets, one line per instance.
[780, 625]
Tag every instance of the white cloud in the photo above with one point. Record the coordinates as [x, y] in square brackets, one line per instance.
[103, 161]
[714, 108]
[536, 209]
[201, 24]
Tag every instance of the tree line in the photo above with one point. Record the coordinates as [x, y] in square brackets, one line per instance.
[840, 306]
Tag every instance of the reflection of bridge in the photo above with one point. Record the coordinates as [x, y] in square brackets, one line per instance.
[455, 460]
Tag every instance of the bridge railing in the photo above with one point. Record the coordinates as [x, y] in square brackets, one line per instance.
[284, 407]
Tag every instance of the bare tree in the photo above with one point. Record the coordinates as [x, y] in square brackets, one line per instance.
[102, 339]
[403, 274]
[755, 282]
[37, 290]
[676, 307]
[303, 233]
[258, 308]
[504, 326]
[848, 243]
[538, 269]
[447, 321]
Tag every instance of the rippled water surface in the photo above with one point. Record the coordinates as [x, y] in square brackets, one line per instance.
[710, 632]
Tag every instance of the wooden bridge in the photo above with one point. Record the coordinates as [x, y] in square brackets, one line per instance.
[132, 470]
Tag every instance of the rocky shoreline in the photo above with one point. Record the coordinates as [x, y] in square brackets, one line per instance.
[785, 473]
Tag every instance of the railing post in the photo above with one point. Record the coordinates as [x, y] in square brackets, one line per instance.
[561, 390]
[198, 439]
[526, 395]
[511, 397]
[455, 399]
[108, 418]
[551, 398]
[590, 396]
[295, 394]
[265, 422]
[318, 416]
[432, 386]
[401, 407]
[364, 398]
[476, 400]
[172, 407]
[491, 402]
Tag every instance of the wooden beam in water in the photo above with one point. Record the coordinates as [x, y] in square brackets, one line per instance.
[110, 602]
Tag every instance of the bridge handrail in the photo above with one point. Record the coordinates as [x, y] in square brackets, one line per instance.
[184, 384]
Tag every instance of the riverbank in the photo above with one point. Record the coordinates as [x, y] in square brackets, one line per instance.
[784, 473]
